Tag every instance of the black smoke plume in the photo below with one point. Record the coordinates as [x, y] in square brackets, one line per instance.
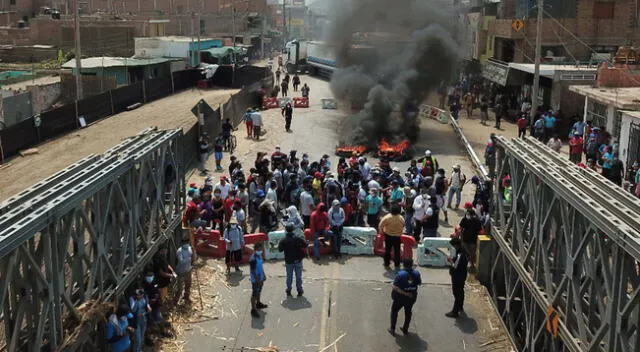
[392, 55]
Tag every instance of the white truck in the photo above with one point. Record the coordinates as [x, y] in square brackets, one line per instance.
[316, 58]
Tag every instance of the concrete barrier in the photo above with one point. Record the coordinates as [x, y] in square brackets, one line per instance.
[434, 251]
[358, 240]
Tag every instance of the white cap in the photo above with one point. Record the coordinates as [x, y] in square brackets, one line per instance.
[427, 153]
[395, 168]
[277, 147]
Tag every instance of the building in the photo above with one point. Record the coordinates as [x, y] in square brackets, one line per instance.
[175, 47]
[602, 25]
[121, 70]
[614, 104]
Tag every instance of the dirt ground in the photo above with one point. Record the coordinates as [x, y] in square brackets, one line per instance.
[171, 112]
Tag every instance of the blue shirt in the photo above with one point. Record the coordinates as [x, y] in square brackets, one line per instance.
[608, 158]
[112, 333]
[578, 128]
[549, 121]
[373, 204]
[408, 281]
[256, 266]
[397, 194]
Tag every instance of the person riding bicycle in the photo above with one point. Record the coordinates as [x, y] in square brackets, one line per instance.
[227, 129]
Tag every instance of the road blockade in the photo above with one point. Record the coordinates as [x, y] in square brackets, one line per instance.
[271, 247]
[209, 244]
[323, 249]
[406, 246]
[249, 241]
[358, 240]
[300, 102]
[269, 103]
[434, 251]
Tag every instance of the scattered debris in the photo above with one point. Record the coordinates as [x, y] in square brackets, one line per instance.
[333, 343]
[29, 151]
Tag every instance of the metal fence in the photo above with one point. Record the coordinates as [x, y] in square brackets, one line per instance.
[64, 119]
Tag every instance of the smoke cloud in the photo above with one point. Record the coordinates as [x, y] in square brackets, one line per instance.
[392, 54]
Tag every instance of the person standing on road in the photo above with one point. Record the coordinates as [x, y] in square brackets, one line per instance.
[549, 125]
[538, 128]
[294, 251]
[287, 112]
[305, 91]
[522, 122]
[458, 272]
[470, 226]
[440, 189]
[420, 206]
[404, 295]
[468, 103]
[296, 82]
[218, 147]
[307, 206]
[140, 309]
[336, 223]
[374, 204]
[392, 226]
[407, 204]
[484, 111]
[248, 121]
[203, 150]
[575, 148]
[257, 278]
[184, 256]
[456, 183]
[285, 87]
[256, 120]
[234, 240]
[163, 272]
[278, 73]
[431, 218]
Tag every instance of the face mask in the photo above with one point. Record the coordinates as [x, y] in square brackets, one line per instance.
[468, 216]
[149, 279]
[123, 318]
[259, 253]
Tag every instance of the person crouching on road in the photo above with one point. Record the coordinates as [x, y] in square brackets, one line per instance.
[336, 223]
[404, 295]
[234, 239]
[294, 251]
[392, 226]
[257, 278]
[318, 227]
[458, 272]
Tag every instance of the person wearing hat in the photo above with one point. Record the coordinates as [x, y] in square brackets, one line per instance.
[184, 258]
[224, 186]
[458, 273]
[139, 310]
[429, 164]
[318, 226]
[456, 183]
[294, 248]
[397, 193]
[234, 240]
[117, 329]
[395, 176]
[337, 219]
[404, 295]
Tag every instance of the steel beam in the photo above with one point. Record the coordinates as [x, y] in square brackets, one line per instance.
[75, 242]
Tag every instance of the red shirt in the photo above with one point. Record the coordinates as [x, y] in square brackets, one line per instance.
[522, 122]
[575, 145]
[228, 208]
[189, 213]
[348, 209]
[319, 220]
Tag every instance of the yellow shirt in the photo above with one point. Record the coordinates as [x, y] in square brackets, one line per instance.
[392, 225]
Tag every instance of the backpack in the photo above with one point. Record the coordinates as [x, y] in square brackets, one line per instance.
[427, 169]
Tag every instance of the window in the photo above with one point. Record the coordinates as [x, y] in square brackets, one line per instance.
[12, 2]
[617, 125]
[597, 113]
[603, 9]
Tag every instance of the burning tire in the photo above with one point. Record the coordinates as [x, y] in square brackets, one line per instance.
[401, 151]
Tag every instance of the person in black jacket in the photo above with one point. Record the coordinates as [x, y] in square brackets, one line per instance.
[458, 272]
[294, 250]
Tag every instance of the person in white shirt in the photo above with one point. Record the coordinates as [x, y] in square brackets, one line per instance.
[420, 207]
[365, 169]
[256, 118]
[224, 187]
[272, 194]
[456, 183]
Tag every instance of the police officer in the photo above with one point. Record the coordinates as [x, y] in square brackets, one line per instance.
[404, 295]
[458, 272]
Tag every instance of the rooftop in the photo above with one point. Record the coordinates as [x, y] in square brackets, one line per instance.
[621, 98]
[172, 38]
[549, 70]
[632, 113]
[105, 61]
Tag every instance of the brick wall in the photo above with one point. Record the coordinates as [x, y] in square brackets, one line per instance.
[44, 96]
[619, 76]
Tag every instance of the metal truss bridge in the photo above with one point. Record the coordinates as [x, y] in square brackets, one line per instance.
[565, 277]
[85, 234]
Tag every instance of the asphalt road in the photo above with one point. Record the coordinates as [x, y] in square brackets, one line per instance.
[347, 301]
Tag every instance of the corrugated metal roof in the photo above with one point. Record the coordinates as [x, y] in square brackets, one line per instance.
[224, 51]
[104, 61]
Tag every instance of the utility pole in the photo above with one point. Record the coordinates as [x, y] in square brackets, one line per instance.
[191, 59]
[263, 21]
[536, 71]
[233, 30]
[199, 31]
[284, 21]
[76, 28]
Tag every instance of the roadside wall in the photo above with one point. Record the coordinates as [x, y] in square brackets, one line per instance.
[44, 96]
